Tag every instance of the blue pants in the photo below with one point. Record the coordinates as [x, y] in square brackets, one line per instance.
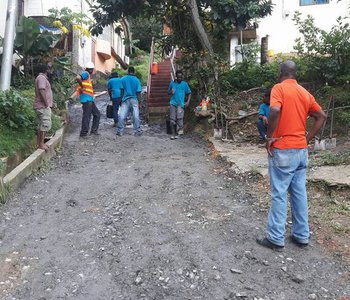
[262, 129]
[116, 103]
[125, 107]
[287, 170]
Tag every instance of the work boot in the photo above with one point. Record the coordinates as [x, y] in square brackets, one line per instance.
[173, 132]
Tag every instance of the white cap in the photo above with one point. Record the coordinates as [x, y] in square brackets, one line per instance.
[90, 65]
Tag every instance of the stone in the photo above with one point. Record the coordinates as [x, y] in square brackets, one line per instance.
[297, 278]
[241, 295]
[236, 271]
[138, 280]
[312, 296]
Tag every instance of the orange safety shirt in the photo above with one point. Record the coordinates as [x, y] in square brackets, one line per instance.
[88, 93]
[296, 104]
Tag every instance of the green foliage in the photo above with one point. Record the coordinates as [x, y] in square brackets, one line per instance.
[238, 13]
[326, 54]
[15, 111]
[329, 159]
[56, 124]
[31, 44]
[247, 75]
[20, 82]
[61, 89]
[30, 41]
[69, 17]
[143, 30]
[12, 140]
[140, 61]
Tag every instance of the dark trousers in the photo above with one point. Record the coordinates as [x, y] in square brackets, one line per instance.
[262, 129]
[89, 108]
[116, 103]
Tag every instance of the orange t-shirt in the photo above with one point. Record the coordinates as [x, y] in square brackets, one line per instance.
[296, 104]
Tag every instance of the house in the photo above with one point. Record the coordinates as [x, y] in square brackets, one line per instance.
[106, 51]
[280, 29]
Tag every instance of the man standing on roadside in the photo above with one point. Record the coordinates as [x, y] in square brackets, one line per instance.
[263, 115]
[287, 141]
[179, 91]
[42, 105]
[87, 98]
[131, 97]
[114, 86]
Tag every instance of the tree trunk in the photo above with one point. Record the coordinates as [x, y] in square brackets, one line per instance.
[201, 33]
[264, 47]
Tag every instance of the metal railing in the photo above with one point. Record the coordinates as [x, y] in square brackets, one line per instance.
[172, 61]
[149, 79]
[151, 58]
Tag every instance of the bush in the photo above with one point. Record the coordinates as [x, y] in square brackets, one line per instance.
[15, 110]
[61, 89]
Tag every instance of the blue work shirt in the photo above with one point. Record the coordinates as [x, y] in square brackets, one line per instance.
[264, 110]
[131, 86]
[115, 85]
[85, 97]
[181, 90]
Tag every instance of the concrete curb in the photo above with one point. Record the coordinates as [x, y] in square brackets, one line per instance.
[17, 176]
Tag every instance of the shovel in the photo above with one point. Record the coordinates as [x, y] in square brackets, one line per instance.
[331, 142]
[320, 144]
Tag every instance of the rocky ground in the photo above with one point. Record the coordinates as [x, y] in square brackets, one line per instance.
[148, 218]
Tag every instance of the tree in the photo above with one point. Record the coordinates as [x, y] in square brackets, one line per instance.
[207, 15]
[143, 29]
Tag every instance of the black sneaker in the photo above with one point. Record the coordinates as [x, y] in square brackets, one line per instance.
[95, 133]
[263, 241]
[297, 243]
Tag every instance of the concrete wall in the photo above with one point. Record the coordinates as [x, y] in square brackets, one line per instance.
[281, 29]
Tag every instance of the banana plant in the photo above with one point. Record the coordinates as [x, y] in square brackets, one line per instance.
[31, 42]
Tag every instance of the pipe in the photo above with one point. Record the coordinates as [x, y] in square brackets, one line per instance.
[7, 56]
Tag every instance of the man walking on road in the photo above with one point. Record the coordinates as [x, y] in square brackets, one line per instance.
[114, 89]
[42, 105]
[87, 98]
[287, 141]
[179, 91]
[131, 97]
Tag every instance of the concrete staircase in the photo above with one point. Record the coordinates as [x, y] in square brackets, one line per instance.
[158, 101]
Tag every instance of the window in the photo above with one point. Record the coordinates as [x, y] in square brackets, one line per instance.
[313, 2]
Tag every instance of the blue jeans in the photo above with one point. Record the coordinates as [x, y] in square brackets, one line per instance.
[287, 169]
[116, 103]
[126, 106]
[262, 129]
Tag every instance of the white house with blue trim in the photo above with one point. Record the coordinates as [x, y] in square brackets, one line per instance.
[280, 28]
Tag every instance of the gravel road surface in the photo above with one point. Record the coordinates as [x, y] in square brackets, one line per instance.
[148, 218]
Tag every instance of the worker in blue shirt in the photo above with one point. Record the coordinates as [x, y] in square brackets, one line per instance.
[115, 86]
[180, 92]
[263, 115]
[85, 91]
[131, 96]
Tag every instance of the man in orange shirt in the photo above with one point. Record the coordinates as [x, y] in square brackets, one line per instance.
[287, 141]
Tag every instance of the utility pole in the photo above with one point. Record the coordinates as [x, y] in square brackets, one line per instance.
[7, 55]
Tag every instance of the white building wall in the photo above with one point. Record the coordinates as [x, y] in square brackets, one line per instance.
[41, 7]
[281, 29]
[3, 12]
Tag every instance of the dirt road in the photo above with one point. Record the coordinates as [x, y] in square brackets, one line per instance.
[148, 218]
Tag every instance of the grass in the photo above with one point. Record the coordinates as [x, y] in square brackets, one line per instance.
[5, 192]
[140, 62]
[12, 140]
[329, 159]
